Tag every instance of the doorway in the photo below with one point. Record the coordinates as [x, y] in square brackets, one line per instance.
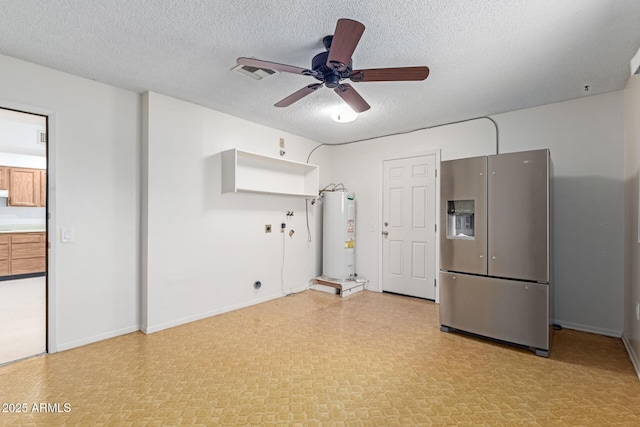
[23, 234]
[409, 237]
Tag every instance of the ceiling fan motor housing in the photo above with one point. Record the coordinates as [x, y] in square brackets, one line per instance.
[331, 77]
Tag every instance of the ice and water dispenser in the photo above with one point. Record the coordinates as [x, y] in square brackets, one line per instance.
[460, 219]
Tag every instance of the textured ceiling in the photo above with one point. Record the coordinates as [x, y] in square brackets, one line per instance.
[485, 56]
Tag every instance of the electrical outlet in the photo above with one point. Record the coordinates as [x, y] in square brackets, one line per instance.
[267, 228]
[281, 142]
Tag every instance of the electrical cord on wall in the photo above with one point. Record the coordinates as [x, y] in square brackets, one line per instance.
[334, 187]
[282, 264]
[415, 130]
[284, 245]
[326, 188]
[306, 211]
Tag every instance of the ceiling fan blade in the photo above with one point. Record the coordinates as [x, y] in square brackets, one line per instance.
[390, 74]
[258, 63]
[296, 96]
[345, 39]
[352, 98]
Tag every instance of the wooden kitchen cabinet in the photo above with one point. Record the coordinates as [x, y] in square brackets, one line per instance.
[4, 178]
[43, 188]
[27, 187]
[27, 253]
[24, 187]
[5, 245]
[22, 253]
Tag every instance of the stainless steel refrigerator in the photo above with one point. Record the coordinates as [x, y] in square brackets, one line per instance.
[495, 240]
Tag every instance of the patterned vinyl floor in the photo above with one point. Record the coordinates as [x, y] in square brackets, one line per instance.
[315, 359]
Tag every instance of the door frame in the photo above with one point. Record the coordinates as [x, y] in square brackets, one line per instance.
[437, 154]
[50, 216]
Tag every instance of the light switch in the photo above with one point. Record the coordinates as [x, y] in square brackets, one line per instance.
[66, 235]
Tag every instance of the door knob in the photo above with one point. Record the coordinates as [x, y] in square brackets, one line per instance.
[386, 224]
[385, 233]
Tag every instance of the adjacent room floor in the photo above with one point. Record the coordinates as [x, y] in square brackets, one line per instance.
[317, 359]
[23, 308]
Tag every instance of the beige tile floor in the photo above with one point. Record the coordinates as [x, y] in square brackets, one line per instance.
[316, 359]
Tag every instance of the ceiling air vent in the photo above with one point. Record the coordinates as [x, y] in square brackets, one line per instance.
[254, 72]
[42, 137]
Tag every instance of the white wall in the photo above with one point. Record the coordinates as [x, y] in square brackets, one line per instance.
[586, 142]
[203, 250]
[358, 166]
[19, 133]
[22, 160]
[631, 334]
[585, 137]
[94, 154]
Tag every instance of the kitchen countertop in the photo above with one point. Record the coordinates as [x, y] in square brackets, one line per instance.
[22, 228]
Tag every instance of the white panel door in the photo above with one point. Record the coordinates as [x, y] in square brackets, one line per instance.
[409, 219]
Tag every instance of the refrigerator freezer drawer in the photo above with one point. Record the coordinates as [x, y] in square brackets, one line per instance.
[508, 310]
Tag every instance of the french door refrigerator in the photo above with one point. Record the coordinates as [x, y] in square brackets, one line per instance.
[495, 247]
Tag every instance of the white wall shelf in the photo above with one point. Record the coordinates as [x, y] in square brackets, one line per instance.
[250, 172]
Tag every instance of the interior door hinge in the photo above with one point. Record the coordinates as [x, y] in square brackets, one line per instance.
[435, 283]
[435, 226]
[436, 173]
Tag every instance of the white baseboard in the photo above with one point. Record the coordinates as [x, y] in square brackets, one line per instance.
[299, 289]
[632, 355]
[221, 310]
[588, 328]
[167, 325]
[156, 328]
[95, 338]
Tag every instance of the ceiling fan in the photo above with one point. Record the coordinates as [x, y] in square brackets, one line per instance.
[335, 65]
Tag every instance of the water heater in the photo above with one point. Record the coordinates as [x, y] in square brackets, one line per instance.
[339, 235]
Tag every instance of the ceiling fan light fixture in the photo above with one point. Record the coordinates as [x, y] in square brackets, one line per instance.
[343, 114]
